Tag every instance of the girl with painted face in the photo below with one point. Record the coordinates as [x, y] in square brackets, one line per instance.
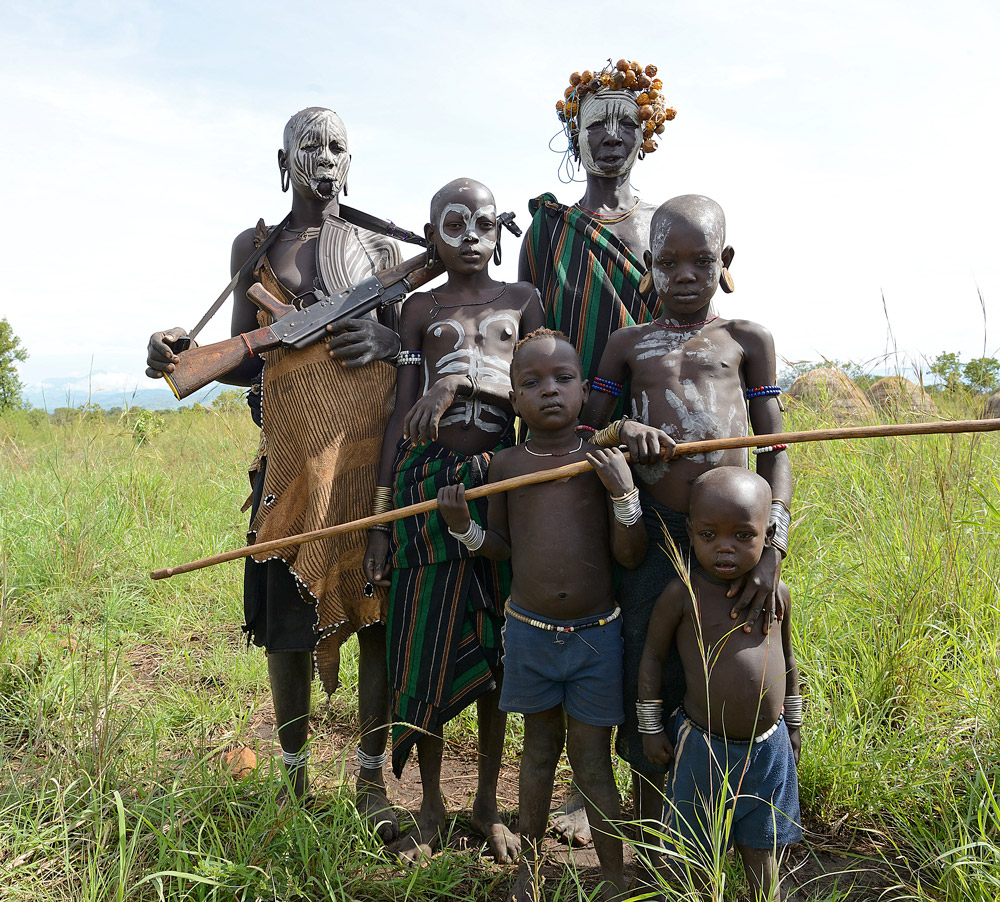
[452, 414]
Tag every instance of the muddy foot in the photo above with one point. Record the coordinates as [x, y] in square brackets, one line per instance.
[503, 845]
[374, 807]
[423, 840]
[569, 821]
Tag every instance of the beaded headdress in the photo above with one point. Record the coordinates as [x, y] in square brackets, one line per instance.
[623, 76]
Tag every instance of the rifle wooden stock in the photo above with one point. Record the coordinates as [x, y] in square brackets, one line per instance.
[582, 466]
[199, 366]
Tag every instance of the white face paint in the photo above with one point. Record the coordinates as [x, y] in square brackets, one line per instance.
[617, 114]
[318, 155]
[472, 223]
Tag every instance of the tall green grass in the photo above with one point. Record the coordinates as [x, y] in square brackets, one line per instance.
[117, 693]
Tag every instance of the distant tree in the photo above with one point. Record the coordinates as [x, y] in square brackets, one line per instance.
[982, 374]
[948, 370]
[10, 352]
[228, 400]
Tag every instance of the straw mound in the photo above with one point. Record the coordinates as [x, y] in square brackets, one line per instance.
[992, 410]
[897, 395]
[832, 391]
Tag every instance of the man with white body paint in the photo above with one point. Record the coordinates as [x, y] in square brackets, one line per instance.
[691, 376]
[323, 419]
[453, 412]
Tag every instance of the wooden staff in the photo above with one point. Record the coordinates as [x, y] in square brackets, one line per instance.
[582, 466]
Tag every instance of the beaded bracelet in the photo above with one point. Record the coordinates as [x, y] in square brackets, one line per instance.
[782, 520]
[628, 510]
[608, 386]
[650, 716]
[763, 391]
[793, 710]
[767, 449]
[472, 538]
[581, 428]
[408, 358]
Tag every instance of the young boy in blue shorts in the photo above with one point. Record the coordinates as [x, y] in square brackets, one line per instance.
[562, 637]
[734, 741]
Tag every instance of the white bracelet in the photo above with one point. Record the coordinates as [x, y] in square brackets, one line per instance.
[628, 510]
[650, 716]
[782, 520]
[793, 710]
[472, 538]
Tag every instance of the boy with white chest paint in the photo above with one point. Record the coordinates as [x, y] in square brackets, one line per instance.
[452, 413]
[692, 375]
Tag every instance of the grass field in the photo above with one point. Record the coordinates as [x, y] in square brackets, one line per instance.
[118, 694]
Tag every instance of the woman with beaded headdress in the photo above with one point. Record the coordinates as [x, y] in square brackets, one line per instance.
[586, 258]
[322, 422]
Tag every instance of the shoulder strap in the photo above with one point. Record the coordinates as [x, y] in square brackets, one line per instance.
[374, 224]
[247, 267]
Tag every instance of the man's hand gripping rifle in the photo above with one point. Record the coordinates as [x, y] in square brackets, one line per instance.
[294, 328]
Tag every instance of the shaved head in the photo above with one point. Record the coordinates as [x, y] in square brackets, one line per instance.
[690, 209]
[460, 191]
[732, 488]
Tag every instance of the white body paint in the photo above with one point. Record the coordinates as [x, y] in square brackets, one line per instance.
[470, 219]
[608, 107]
[484, 368]
[696, 411]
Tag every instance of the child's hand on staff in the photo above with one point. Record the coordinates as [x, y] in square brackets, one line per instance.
[646, 444]
[611, 466]
[454, 508]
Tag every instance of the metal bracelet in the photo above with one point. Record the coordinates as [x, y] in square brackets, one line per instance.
[472, 538]
[628, 510]
[793, 710]
[650, 716]
[782, 520]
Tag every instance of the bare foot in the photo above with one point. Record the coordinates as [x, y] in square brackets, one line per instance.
[504, 846]
[528, 885]
[569, 821]
[423, 840]
[373, 805]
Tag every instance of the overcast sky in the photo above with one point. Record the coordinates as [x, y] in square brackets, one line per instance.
[852, 145]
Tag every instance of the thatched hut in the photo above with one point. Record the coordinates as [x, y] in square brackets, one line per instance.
[899, 397]
[831, 391]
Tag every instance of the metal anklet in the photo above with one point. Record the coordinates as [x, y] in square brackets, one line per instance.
[293, 761]
[371, 762]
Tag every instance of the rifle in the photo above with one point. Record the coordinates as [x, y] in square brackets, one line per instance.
[295, 328]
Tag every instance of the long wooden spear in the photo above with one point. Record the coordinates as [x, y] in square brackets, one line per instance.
[582, 466]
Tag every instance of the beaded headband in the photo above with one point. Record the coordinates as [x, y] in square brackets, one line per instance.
[623, 76]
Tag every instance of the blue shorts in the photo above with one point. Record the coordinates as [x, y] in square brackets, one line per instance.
[762, 795]
[580, 671]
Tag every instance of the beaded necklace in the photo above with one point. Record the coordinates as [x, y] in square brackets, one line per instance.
[685, 326]
[553, 453]
[611, 218]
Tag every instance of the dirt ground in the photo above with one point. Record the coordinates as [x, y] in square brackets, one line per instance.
[831, 858]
